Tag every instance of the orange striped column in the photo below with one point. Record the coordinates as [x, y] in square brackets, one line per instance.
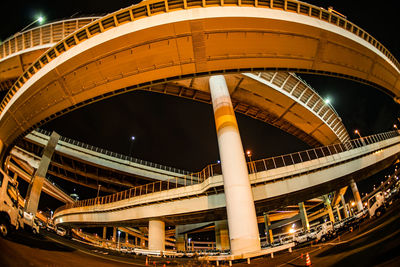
[242, 220]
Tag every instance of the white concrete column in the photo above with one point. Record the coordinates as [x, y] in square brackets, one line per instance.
[356, 195]
[156, 235]
[242, 221]
[37, 181]
[329, 208]
[346, 211]
[221, 235]
[304, 217]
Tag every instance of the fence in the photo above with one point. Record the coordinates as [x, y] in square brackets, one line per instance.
[46, 34]
[155, 7]
[254, 166]
[115, 155]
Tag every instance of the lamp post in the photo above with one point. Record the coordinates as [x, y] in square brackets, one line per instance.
[119, 233]
[358, 133]
[131, 146]
[98, 190]
[40, 19]
[248, 153]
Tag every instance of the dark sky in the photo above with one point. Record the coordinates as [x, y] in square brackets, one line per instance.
[181, 133]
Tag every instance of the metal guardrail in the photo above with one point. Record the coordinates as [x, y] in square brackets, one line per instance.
[154, 7]
[115, 154]
[253, 167]
[41, 35]
[293, 85]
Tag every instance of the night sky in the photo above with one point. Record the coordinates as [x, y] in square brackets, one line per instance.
[181, 133]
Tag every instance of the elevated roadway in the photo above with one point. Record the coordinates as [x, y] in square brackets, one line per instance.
[90, 166]
[19, 51]
[156, 42]
[281, 99]
[276, 182]
[48, 187]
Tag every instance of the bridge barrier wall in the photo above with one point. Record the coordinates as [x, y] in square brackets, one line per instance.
[155, 7]
[211, 176]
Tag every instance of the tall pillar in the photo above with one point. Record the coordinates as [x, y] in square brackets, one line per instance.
[114, 236]
[156, 235]
[356, 195]
[304, 217]
[126, 237]
[268, 230]
[242, 220]
[222, 235]
[329, 208]
[35, 187]
[104, 232]
[180, 242]
[345, 210]
[338, 213]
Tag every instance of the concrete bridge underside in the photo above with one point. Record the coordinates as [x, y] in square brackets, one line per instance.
[175, 43]
[21, 50]
[272, 189]
[281, 99]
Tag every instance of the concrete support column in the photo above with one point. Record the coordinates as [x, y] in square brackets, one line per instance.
[126, 237]
[222, 235]
[356, 195]
[104, 232]
[338, 213]
[156, 235]
[180, 243]
[329, 208]
[114, 236]
[35, 187]
[268, 230]
[304, 217]
[345, 210]
[242, 220]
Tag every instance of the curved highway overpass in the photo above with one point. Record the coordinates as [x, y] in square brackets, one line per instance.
[156, 42]
[276, 182]
[19, 51]
[297, 109]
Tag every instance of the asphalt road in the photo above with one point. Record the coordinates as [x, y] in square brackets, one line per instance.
[376, 242]
[51, 250]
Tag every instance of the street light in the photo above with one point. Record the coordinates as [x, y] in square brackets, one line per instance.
[357, 132]
[248, 153]
[40, 19]
[131, 146]
[327, 101]
[395, 126]
[119, 233]
[98, 190]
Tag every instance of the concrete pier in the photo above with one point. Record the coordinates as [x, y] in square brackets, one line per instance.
[242, 221]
